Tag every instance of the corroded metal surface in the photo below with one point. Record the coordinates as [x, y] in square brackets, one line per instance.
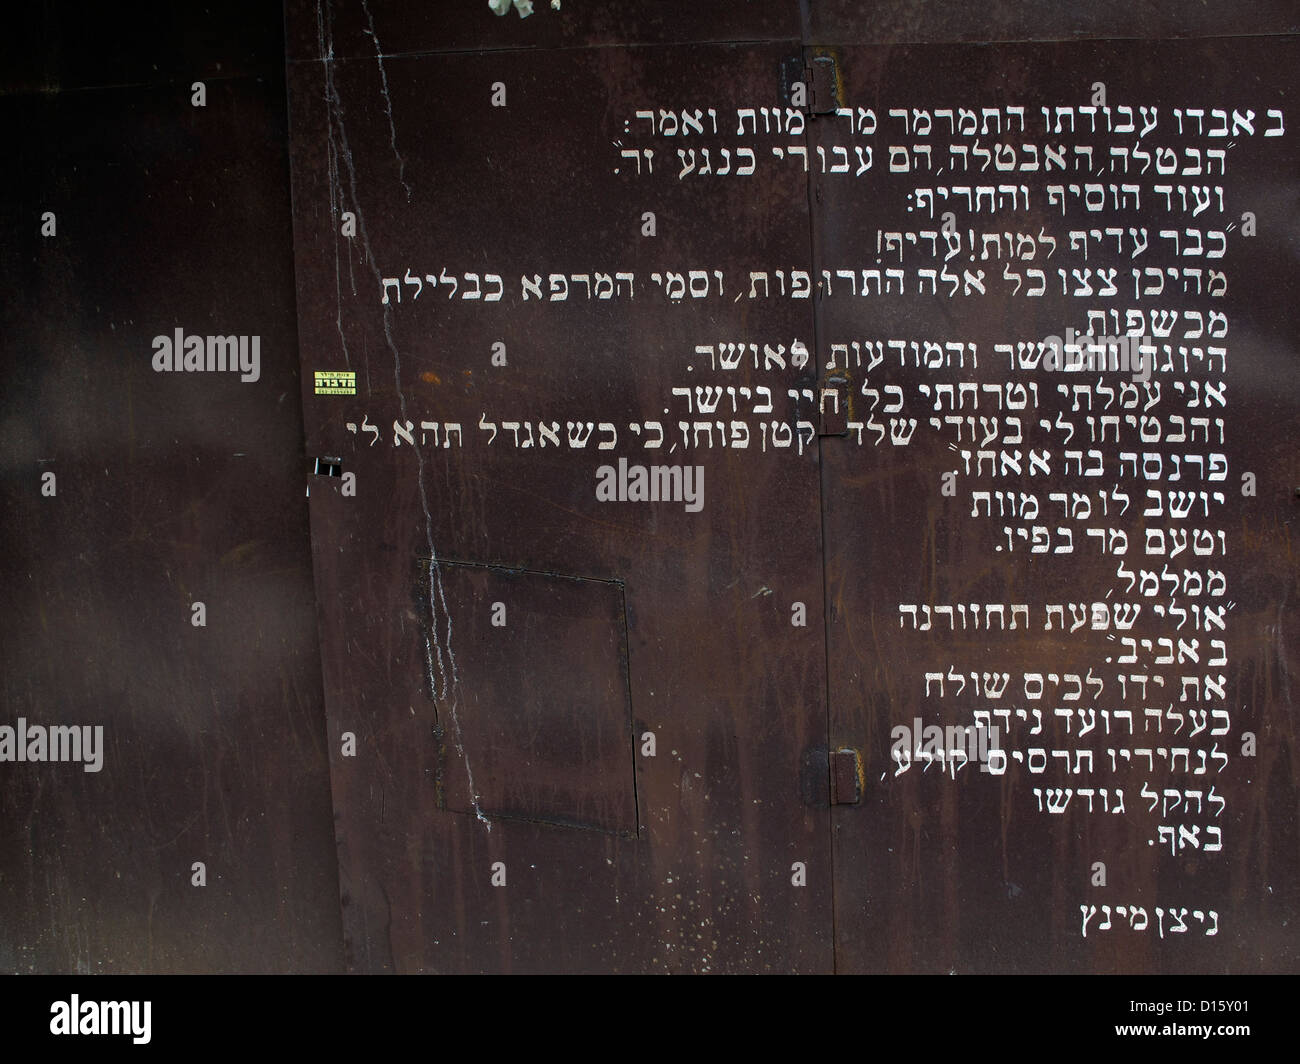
[169, 490]
[360, 31]
[971, 874]
[735, 794]
[901, 22]
[563, 727]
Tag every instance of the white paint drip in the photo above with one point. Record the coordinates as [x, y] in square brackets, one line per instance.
[388, 103]
[450, 688]
[332, 172]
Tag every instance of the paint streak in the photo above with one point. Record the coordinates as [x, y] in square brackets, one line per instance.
[388, 103]
[447, 673]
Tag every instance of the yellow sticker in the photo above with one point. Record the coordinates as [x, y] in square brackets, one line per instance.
[341, 383]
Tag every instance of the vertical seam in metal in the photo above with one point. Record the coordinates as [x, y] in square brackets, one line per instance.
[813, 249]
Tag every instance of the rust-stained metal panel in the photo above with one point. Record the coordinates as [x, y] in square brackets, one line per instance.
[649, 503]
[169, 490]
[546, 721]
[519, 232]
[844, 22]
[360, 31]
[983, 486]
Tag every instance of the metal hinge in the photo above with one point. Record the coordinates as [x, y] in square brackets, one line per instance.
[846, 777]
[823, 85]
[817, 78]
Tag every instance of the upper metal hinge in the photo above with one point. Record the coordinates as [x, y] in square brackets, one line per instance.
[823, 85]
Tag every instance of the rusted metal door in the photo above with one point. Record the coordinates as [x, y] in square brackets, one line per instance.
[1092, 560]
[691, 496]
[619, 349]
[570, 619]
[156, 571]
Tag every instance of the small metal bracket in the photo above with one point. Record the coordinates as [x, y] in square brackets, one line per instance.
[846, 777]
[818, 80]
[823, 85]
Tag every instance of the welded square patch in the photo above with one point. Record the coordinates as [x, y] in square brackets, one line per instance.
[530, 680]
